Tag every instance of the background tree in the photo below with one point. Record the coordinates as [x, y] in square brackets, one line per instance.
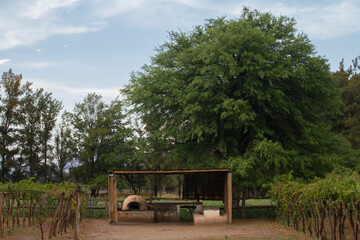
[250, 94]
[63, 151]
[98, 129]
[348, 121]
[29, 132]
[11, 100]
[49, 110]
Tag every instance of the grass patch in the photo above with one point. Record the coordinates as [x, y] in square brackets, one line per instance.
[256, 213]
[186, 214]
[94, 213]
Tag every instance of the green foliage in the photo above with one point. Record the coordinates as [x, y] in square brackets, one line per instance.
[11, 100]
[102, 139]
[100, 181]
[342, 186]
[250, 94]
[27, 119]
[348, 121]
[36, 190]
[64, 150]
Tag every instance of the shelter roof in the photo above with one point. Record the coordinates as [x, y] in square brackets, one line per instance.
[178, 171]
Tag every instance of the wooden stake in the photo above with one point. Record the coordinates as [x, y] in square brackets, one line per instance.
[62, 215]
[63, 219]
[29, 211]
[33, 212]
[11, 210]
[1, 217]
[8, 209]
[52, 231]
[77, 216]
[23, 208]
[18, 209]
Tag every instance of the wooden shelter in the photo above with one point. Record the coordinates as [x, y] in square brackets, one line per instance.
[216, 183]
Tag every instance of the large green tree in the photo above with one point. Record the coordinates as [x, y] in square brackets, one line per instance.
[249, 93]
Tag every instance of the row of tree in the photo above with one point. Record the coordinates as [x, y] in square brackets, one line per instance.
[27, 120]
[33, 143]
[250, 94]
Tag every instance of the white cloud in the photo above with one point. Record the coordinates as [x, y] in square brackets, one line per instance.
[39, 8]
[28, 22]
[334, 20]
[31, 34]
[69, 94]
[151, 13]
[45, 64]
[48, 85]
[145, 7]
[3, 61]
[319, 21]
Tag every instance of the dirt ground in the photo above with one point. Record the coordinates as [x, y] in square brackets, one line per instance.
[240, 229]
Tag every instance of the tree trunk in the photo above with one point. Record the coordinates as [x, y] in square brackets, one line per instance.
[93, 192]
[155, 186]
[341, 218]
[179, 187]
[313, 219]
[356, 208]
[349, 214]
[243, 201]
[331, 223]
[321, 216]
[45, 160]
[304, 221]
[131, 182]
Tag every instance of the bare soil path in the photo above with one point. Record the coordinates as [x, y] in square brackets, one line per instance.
[240, 229]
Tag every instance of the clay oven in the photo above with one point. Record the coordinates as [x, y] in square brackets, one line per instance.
[134, 203]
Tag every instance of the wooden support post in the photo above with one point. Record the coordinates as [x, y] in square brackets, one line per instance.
[228, 197]
[114, 199]
[110, 198]
[225, 196]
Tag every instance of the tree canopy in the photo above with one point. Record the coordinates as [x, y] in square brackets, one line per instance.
[248, 93]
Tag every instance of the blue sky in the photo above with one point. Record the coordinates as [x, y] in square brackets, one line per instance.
[74, 47]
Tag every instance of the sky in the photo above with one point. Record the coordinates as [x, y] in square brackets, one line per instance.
[75, 47]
